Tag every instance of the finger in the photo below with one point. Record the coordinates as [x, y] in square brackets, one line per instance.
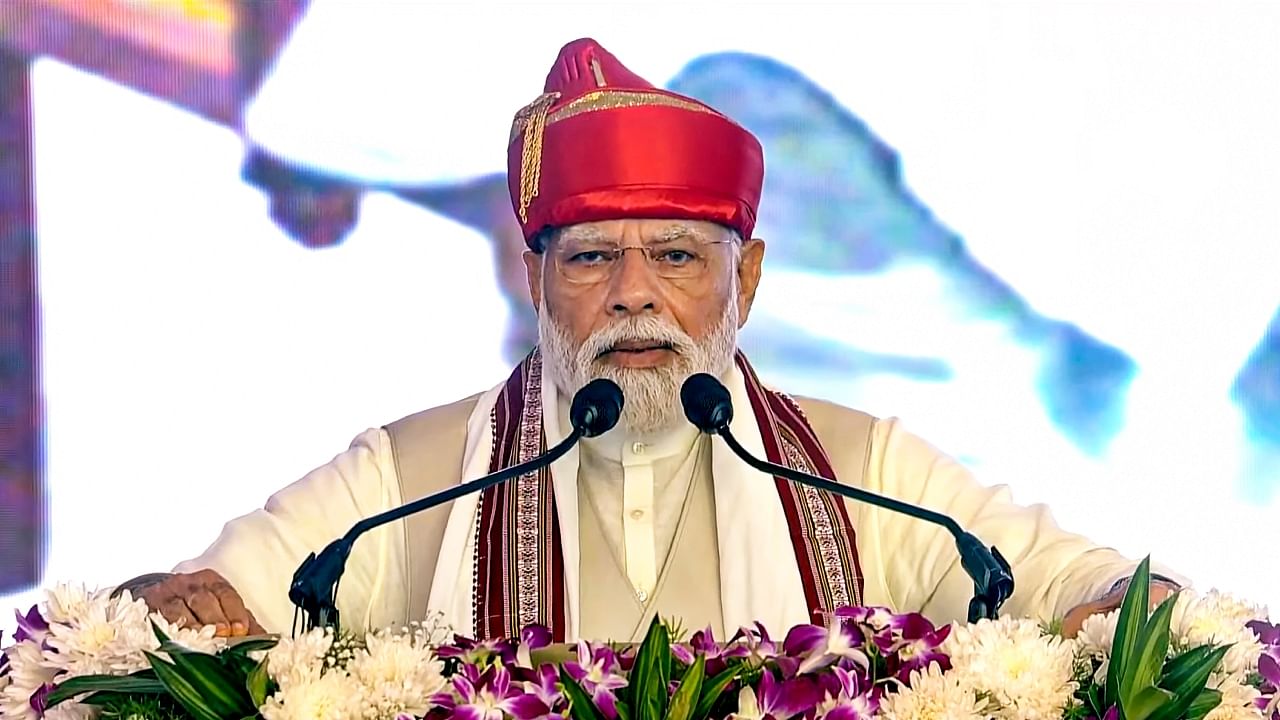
[208, 611]
[238, 616]
[175, 610]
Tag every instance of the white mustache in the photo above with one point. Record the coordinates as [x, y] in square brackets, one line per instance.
[645, 330]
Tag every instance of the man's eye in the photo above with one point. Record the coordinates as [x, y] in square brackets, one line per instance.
[588, 257]
[676, 257]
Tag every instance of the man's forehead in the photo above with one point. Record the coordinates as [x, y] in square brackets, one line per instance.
[650, 231]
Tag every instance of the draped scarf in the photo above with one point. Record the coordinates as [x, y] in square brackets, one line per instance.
[518, 563]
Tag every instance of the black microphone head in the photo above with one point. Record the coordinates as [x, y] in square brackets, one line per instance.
[596, 407]
[706, 402]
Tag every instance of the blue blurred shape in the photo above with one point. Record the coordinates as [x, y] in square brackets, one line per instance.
[834, 196]
[1256, 391]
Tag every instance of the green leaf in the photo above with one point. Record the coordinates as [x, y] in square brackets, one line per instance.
[713, 689]
[650, 674]
[257, 683]
[1129, 626]
[1203, 704]
[1144, 703]
[182, 690]
[580, 705]
[1181, 668]
[136, 683]
[686, 698]
[224, 692]
[1144, 666]
[247, 646]
[1193, 676]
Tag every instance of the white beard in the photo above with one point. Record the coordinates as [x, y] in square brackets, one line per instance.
[651, 396]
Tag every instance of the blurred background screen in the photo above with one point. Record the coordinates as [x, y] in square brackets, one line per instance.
[236, 234]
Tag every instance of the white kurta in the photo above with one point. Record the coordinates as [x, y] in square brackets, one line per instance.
[907, 564]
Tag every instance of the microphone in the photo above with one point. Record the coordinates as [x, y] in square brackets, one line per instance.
[708, 406]
[314, 588]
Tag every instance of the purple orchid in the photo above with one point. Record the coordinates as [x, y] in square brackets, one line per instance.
[910, 642]
[480, 652]
[31, 626]
[488, 695]
[841, 640]
[1269, 669]
[546, 687]
[532, 638]
[704, 643]
[599, 673]
[849, 696]
[774, 700]
[754, 644]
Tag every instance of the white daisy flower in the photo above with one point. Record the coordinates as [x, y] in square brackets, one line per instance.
[299, 660]
[28, 672]
[332, 696]
[933, 696]
[1217, 619]
[399, 671]
[1028, 675]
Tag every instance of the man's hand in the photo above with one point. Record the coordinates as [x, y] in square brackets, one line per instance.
[200, 598]
[1075, 617]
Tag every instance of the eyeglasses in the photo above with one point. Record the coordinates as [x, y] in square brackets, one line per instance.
[590, 264]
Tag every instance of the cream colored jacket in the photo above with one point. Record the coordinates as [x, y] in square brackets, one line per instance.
[907, 564]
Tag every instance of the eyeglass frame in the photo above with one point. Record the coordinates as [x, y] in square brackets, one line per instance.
[619, 251]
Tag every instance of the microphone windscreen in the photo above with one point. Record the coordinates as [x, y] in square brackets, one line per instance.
[706, 402]
[596, 407]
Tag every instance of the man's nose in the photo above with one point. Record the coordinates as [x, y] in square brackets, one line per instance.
[633, 289]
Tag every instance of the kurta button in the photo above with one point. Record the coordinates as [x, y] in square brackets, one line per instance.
[637, 514]
[637, 448]
[642, 595]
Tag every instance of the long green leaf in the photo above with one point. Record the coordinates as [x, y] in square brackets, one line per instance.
[1145, 703]
[1179, 669]
[225, 693]
[714, 688]
[1145, 665]
[258, 682]
[181, 690]
[1204, 704]
[686, 698]
[1190, 690]
[580, 705]
[112, 683]
[649, 675]
[245, 647]
[1133, 617]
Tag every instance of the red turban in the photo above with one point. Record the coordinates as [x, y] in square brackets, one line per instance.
[601, 143]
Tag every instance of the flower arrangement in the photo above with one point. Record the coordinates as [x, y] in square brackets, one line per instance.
[1195, 656]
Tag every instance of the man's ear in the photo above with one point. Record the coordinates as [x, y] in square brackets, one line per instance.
[749, 276]
[533, 273]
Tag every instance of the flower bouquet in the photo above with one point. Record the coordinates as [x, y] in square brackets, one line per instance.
[84, 653]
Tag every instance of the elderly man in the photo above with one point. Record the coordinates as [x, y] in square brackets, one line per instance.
[637, 206]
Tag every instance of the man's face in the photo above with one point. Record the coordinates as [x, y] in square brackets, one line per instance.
[645, 319]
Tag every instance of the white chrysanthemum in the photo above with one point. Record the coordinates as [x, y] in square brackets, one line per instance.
[28, 672]
[1094, 641]
[65, 602]
[933, 695]
[198, 640]
[1028, 674]
[98, 634]
[399, 672]
[1217, 619]
[1237, 700]
[299, 660]
[332, 696]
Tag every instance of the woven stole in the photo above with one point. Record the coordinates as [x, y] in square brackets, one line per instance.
[519, 562]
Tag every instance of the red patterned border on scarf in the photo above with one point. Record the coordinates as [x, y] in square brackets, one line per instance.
[822, 535]
[519, 561]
